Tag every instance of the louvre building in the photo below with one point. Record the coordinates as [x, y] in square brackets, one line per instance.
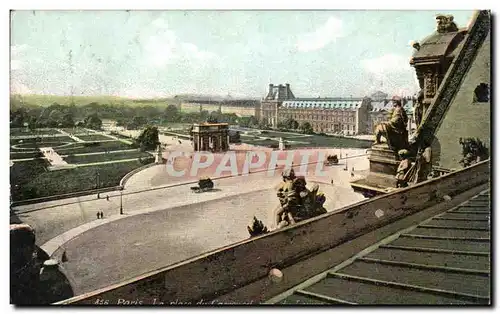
[347, 116]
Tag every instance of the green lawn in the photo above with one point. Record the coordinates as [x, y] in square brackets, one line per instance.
[329, 141]
[118, 135]
[27, 154]
[42, 140]
[32, 144]
[79, 148]
[276, 134]
[311, 141]
[94, 137]
[174, 125]
[76, 130]
[21, 176]
[34, 181]
[86, 159]
[183, 132]
[24, 131]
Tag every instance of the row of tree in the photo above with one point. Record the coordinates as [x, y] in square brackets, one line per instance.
[292, 124]
[51, 117]
[131, 117]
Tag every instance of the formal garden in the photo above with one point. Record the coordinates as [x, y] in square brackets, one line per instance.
[98, 162]
[31, 179]
[298, 140]
[93, 137]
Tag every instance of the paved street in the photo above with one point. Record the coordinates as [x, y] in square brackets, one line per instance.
[165, 225]
[133, 245]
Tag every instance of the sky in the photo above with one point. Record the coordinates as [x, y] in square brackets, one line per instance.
[144, 54]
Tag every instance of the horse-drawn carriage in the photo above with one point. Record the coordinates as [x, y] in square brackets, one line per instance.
[331, 160]
[204, 185]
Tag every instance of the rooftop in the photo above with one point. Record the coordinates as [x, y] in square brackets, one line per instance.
[442, 260]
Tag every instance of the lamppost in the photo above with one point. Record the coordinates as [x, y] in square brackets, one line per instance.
[346, 162]
[97, 183]
[121, 201]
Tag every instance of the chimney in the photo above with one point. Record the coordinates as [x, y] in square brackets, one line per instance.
[271, 88]
[287, 90]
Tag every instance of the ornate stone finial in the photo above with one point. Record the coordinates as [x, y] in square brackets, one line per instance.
[445, 24]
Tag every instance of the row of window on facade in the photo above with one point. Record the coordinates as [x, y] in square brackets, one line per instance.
[345, 127]
[318, 117]
[328, 112]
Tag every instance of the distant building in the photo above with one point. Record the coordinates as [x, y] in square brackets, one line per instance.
[347, 116]
[379, 96]
[212, 137]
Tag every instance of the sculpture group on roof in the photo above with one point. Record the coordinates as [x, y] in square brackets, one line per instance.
[297, 203]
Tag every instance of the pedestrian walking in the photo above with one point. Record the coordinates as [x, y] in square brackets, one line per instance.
[64, 257]
[107, 198]
[331, 182]
[98, 215]
[98, 195]
[102, 215]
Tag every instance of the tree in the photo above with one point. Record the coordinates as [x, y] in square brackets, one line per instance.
[204, 114]
[18, 117]
[171, 113]
[214, 117]
[234, 137]
[93, 122]
[139, 121]
[306, 128]
[148, 139]
[294, 125]
[264, 125]
[120, 122]
[67, 121]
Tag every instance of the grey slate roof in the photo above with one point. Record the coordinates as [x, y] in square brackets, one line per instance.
[346, 104]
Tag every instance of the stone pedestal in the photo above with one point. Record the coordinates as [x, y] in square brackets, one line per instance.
[383, 167]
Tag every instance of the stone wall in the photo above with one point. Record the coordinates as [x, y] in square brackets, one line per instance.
[466, 118]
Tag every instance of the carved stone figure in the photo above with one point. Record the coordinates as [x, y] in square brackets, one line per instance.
[473, 151]
[423, 164]
[297, 203]
[445, 24]
[403, 169]
[419, 108]
[395, 130]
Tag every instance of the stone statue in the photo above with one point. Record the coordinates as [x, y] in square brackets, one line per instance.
[419, 108]
[423, 164]
[158, 155]
[281, 145]
[473, 151]
[403, 169]
[297, 203]
[395, 130]
[445, 24]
